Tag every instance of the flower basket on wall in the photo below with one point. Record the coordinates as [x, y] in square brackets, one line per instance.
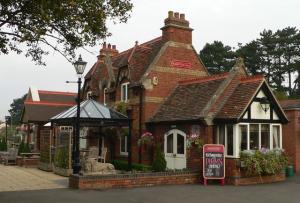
[194, 141]
[146, 139]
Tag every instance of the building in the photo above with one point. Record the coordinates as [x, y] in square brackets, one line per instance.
[291, 131]
[170, 93]
[39, 107]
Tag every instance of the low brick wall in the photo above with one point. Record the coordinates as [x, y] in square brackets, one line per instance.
[27, 162]
[133, 180]
[256, 180]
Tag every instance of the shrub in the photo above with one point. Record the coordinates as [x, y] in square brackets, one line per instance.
[61, 158]
[45, 154]
[24, 148]
[159, 163]
[263, 162]
[3, 145]
[123, 166]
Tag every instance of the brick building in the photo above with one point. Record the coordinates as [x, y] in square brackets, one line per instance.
[171, 94]
[291, 131]
[39, 107]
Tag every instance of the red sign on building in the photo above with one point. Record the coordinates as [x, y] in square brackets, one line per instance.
[181, 64]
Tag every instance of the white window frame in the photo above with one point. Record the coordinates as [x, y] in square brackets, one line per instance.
[88, 94]
[104, 96]
[234, 140]
[124, 153]
[248, 135]
[126, 84]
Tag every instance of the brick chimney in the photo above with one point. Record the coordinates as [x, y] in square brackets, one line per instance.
[107, 50]
[177, 28]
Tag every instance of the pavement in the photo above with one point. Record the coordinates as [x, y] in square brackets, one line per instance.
[287, 191]
[15, 178]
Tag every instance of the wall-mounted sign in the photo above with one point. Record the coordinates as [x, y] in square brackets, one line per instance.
[181, 64]
[213, 162]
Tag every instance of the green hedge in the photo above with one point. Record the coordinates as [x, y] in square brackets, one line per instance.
[263, 162]
[123, 165]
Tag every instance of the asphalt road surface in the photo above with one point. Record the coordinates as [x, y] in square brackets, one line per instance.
[288, 191]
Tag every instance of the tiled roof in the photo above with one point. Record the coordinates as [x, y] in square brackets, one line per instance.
[239, 99]
[195, 99]
[290, 104]
[50, 104]
[188, 100]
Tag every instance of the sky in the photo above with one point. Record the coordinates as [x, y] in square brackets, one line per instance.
[229, 21]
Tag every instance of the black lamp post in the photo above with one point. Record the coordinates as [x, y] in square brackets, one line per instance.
[7, 119]
[79, 67]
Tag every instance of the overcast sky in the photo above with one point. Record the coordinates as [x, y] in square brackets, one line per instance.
[229, 21]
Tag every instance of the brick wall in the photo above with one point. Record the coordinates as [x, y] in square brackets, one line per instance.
[291, 137]
[133, 180]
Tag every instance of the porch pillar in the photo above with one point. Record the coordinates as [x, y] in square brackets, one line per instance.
[208, 136]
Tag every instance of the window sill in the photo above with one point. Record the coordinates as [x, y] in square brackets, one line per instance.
[123, 153]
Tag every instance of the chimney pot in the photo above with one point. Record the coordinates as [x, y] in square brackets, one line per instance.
[104, 45]
[109, 46]
[176, 15]
[114, 47]
[182, 16]
[136, 43]
[170, 14]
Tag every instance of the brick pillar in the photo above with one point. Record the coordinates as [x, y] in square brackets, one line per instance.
[208, 134]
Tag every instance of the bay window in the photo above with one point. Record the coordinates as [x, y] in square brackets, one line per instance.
[248, 136]
[254, 136]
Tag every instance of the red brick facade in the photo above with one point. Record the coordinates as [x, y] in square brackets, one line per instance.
[291, 137]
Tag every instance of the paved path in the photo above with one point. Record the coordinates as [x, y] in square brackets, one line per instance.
[15, 178]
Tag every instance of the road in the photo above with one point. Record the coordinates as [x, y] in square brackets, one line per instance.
[288, 191]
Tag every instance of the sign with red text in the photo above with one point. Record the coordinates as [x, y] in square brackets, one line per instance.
[213, 161]
[181, 64]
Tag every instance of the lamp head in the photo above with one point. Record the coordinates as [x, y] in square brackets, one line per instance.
[80, 66]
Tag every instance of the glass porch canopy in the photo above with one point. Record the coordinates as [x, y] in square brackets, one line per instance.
[92, 114]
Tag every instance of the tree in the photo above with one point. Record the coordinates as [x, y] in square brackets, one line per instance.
[217, 57]
[16, 108]
[63, 25]
[252, 55]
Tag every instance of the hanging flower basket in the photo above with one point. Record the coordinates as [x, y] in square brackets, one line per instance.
[146, 139]
[194, 140]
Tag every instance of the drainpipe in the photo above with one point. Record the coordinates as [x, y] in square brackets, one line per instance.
[140, 120]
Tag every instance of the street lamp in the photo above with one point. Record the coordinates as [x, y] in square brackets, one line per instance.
[265, 104]
[79, 67]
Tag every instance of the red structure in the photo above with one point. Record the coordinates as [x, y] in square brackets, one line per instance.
[291, 131]
[169, 92]
[39, 107]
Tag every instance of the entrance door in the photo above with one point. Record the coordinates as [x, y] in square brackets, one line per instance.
[175, 149]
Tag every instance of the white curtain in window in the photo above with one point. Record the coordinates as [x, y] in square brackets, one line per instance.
[276, 137]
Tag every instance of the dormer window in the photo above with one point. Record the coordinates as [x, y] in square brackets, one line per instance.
[104, 95]
[89, 95]
[124, 92]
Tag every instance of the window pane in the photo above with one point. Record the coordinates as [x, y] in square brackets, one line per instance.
[180, 144]
[170, 143]
[254, 135]
[276, 138]
[265, 136]
[229, 140]
[243, 137]
[123, 144]
[222, 134]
